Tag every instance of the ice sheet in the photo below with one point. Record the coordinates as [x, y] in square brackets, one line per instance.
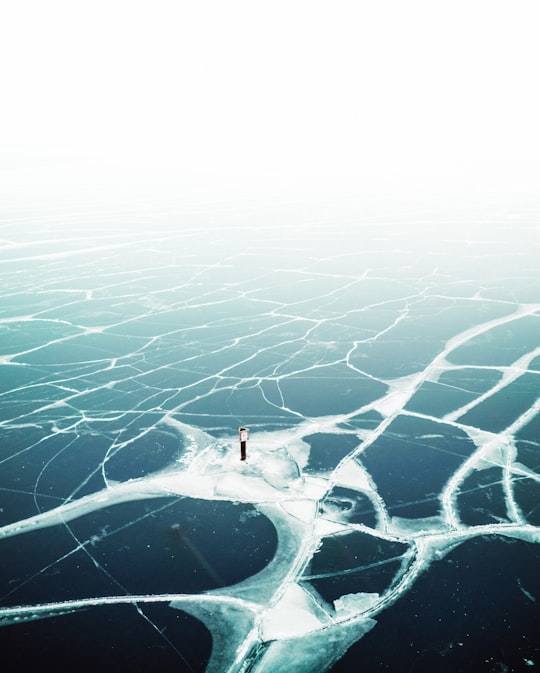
[129, 363]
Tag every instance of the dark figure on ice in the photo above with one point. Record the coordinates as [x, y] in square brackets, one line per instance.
[244, 434]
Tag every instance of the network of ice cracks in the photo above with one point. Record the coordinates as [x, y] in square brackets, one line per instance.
[275, 620]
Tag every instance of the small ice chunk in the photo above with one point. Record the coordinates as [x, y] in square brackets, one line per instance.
[354, 604]
[494, 455]
[292, 616]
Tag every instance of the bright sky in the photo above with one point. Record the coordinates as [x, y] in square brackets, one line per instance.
[425, 90]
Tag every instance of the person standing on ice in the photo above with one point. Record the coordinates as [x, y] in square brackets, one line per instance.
[243, 434]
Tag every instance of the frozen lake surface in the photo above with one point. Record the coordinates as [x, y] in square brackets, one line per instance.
[388, 367]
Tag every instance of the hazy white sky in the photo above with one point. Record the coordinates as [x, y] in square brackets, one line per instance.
[433, 90]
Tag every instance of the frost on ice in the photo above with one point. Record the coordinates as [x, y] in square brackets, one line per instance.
[393, 413]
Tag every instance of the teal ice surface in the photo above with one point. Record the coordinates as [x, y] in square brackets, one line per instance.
[385, 377]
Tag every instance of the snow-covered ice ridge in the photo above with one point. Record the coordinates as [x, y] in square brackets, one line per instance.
[392, 395]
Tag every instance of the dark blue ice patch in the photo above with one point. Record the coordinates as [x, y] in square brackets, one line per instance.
[335, 389]
[500, 346]
[83, 348]
[18, 336]
[64, 465]
[528, 452]
[327, 450]
[476, 611]
[412, 461]
[453, 390]
[241, 401]
[413, 343]
[481, 498]
[527, 496]
[531, 431]
[111, 638]
[354, 563]
[146, 450]
[162, 545]
[504, 407]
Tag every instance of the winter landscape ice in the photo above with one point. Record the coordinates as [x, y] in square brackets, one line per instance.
[388, 368]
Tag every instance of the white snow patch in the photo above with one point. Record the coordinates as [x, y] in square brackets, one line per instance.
[351, 475]
[354, 604]
[305, 510]
[292, 616]
[325, 527]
